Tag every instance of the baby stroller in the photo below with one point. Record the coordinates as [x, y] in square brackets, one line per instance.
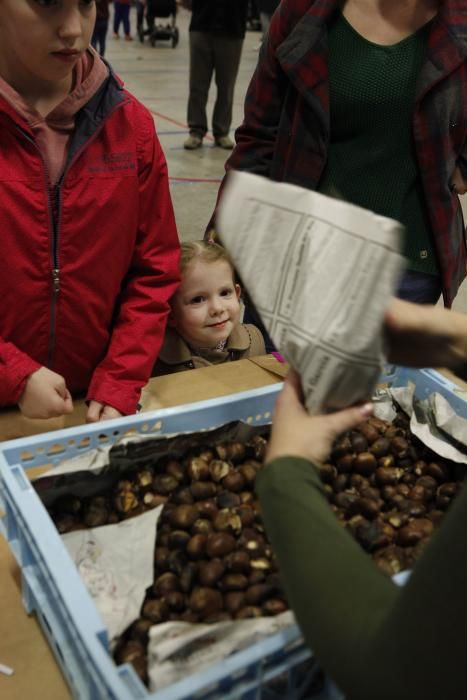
[156, 31]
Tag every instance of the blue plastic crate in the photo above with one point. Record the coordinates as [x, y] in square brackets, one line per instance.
[53, 589]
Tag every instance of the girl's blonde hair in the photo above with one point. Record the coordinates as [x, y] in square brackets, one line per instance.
[206, 251]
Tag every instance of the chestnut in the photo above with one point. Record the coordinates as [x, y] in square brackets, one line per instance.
[174, 469]
[238, 561]
[273, 606]
[234, 481]
[248, 612]
[380, 447]
[365, 463]
[201, 490]
[248, 471]
[184, 516]
[188, 576]
[178, 539]
[198, 469]
[228, 499]
[368, 431]
[202, 526]
[207, 508]
[165, 583]
[234, 601]
[164, 484]
[256, 594]
[155, 610]
[209, 572]
[227, 520]
[218, 469]
[219, 544]
[206, 601]
[196, 546]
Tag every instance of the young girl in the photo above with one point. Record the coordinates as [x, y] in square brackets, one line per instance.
[89, 244]
[204, 327]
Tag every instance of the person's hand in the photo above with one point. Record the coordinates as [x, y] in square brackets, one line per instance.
[458, 183]
[99, 411]
[45, 395]
[295, 433]
[425, 336]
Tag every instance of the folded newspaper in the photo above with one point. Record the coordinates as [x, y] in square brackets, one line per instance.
[320, 273]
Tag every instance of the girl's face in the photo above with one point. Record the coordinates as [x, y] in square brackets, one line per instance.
[206, 307]
[42, 40]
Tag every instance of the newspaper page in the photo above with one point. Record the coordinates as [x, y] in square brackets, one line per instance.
[320, 273]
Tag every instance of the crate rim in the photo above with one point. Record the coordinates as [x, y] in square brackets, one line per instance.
[128, 422]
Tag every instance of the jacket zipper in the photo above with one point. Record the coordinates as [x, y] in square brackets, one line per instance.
[53, 199]
[54, 206]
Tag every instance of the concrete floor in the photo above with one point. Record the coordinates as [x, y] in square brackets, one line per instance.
[158, 76]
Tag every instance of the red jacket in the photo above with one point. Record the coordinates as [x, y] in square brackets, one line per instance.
[87, 270]
[286, 130]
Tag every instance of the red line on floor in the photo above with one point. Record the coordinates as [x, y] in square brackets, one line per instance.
[174, 121]
[193, 179]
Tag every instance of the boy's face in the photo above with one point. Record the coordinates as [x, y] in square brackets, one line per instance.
[206, 307]
[42, 40]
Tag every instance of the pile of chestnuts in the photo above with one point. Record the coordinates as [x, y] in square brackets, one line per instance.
[212, 560]
[389, 490]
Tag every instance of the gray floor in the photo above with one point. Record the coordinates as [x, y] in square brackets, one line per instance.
[158, 76]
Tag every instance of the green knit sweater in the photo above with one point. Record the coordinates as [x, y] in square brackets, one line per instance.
[372, 160]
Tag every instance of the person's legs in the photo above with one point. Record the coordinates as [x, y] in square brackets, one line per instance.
[139, 15]
[99, 35]
[265, 21]
[103, 36]
[201, 68]
[227, 54]
[126, 20]
[419, 287]
[117, 17]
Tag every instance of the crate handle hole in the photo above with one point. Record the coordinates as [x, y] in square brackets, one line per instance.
[26, 456]
[103, 437]
[85, 442]
[56, 449]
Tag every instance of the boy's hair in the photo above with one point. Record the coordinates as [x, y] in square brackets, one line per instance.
[206, 251]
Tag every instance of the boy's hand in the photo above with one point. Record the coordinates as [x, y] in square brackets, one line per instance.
[99, 411]
[296, 434]
[45, 395]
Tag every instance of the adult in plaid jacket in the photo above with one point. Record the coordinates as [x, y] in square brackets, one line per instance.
[286, 130]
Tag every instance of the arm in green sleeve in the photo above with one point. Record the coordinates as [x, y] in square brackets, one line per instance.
[377, 641]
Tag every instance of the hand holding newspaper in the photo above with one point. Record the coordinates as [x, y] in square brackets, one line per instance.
[320, 272]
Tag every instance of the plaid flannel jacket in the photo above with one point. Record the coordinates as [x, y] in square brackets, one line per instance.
[285, 132]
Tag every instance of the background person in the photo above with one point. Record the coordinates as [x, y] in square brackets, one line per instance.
[204, 325]
[122, 16]
[217, 30]
[373, 638]
[90, 247]
[99, 34]
[266, 9]
[364, 100]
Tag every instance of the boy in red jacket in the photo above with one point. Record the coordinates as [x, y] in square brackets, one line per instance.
[89, 244]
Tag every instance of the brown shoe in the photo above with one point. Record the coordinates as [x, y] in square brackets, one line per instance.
[224, 142]
[193, 142]
[128, 37]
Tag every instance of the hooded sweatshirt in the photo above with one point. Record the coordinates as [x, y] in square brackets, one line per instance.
[53, 132]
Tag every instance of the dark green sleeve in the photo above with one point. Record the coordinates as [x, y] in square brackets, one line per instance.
[377, 641]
